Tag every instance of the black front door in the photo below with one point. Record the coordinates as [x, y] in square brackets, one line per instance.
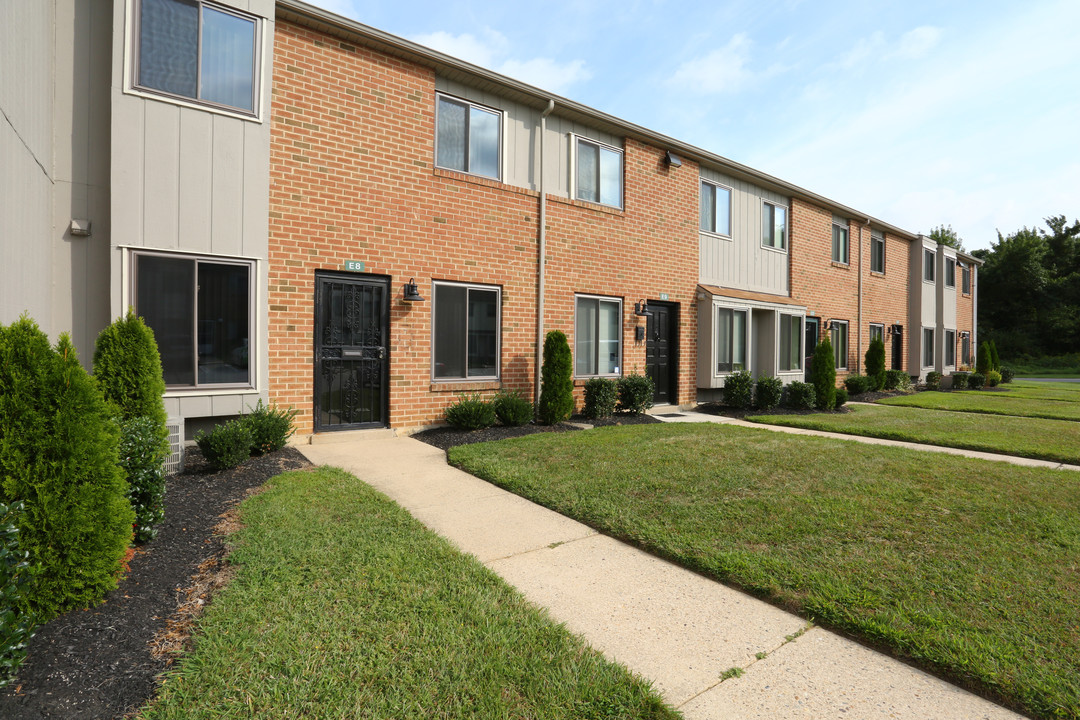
[661, 362]
[352, 324]
[898, 347]
[812, 327]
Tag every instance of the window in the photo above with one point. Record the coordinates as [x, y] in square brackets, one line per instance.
[950, 348]
[198, 51]
[838, 337]
[465, 332]
[791, 334]
[730, 340]
[774, 226]
[950, 272]
[840, 243]
[928, 347]
[467, 137]
[965, 279]
[599, 173]
[965, 348]
[598, 336]
[877, 253]
[877, 332]
[715, 208]
[928, 265]
[200, 312]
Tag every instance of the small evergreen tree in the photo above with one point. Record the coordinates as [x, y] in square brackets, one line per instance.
[995, 361]
[823, 370]
[557, 380]
[983, 361]
[875, 364]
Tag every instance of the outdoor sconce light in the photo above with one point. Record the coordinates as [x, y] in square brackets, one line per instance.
[672, 160]
[641, 308]
[412, 294]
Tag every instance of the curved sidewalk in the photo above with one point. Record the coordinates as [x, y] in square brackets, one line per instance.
[670, 625]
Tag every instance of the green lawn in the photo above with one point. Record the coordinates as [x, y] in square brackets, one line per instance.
[1069, 392]
[994, 403]
[1057, 440]
[345, 607]
[968, 567]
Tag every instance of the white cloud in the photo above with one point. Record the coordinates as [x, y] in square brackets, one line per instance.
[546, 73]
[722, 70]
[865, 49]
[917, 43]
[482, 51]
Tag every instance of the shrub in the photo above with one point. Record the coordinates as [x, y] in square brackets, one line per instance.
[897, 380]
[767, 393]
[58, 456]
[933, 380]
[270, 427]
[635, 394]
[976, 381]
[227, 445]
[142, 465]
[600, 397]
[983, 361]
[470, 412]
[557, 382]
[799, 396]
[739, 390]
[993, 378]
[1007, 374]
[16, 627]
[127, 368]
[959, 380]
[858, 384]
[512, 408]
[823, 372]
[841, 398]
[995, 361]
[875, 365]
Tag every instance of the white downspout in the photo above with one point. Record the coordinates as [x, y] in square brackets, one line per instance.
[542, 253]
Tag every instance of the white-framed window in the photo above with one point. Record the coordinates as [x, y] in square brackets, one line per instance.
[774, 226]
[877, 332]
[597, 336]
[465, 331]
[198, 51]
[840, 244]
[928, 265]
[732, 329]
[715, 208]
[598, 172]
[838, 336]
[791, 339]
[950, 272]
[928, 347]
[201, 310]
[468, 137]
[950, 348]
[877, 252]
[965, 278]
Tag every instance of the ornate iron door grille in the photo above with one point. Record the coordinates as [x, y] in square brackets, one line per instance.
[351, 358]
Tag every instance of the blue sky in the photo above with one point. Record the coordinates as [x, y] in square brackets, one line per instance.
[918, 113]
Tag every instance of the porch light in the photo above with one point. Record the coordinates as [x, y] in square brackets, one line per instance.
[412, 294]
[672, 160]
[641, 308]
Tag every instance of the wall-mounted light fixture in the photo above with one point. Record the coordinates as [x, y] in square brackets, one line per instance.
[412, 294]
[641, 308]
[79, 228]
[672, 160]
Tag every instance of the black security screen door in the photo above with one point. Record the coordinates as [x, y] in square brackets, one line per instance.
[660, 352]
[351, 359]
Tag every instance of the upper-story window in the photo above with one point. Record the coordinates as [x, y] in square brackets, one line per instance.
[715, 208]
[950, 272]
[965, 279]
[198, 51]
[877, 253]
[598, 174]
[774, 226]
[928, 265]
[468, 137]
[840, 246]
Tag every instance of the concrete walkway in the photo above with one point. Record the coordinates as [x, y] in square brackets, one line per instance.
[672, 626]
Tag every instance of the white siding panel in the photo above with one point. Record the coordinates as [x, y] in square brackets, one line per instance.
[161, 168]
[196, 179]
[227, 216]
[128, 120]
[256, 220]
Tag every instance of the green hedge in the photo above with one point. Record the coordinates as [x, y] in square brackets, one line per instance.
[16, 627]
[601, 394]
[635, 394]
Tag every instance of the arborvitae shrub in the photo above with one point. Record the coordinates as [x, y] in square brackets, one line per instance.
[1007, 374]
[959, 380]
[600, 397]
[739, 390]
[799, 396]
[933, 380]
[227, 445]
[557, 387]
[897, 380]
[512, 408]
[858, 384]
[58, 456]
[995, 361]
[976, 381]
[875, 364]
[993, 378]
[635, 394]
[141, 461]
[767, 393]
[127, 368]
[841, 398]
[16, 626]
[983, 360]
[823, 372]
[270, 427]
[470, 412]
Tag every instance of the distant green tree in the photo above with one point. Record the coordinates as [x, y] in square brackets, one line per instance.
[823, 371]
[983, 361]
[995, 361]
[947, 236]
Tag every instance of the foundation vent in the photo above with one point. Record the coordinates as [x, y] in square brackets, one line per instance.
[175, 462]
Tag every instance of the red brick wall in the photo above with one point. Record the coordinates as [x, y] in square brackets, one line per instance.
[965, 310]
[885, 296]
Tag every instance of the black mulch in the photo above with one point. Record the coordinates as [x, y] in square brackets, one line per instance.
[96, 663]
[445, 438]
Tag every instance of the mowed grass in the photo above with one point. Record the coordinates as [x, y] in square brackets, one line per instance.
[343, 606]
[1069, 392]
[1057, 440]
[969, 567]
[993, 403]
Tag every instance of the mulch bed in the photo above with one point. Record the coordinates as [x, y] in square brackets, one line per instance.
[97, 663]
[445, 438]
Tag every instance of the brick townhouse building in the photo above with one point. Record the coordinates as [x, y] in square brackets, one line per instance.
[311, 211]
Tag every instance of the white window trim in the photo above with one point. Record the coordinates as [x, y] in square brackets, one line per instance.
[502, 136]
[932, 264]
[255, 330]
[933, 350]
[731, 207]
[950, 277]
[574, 139]
[780, 315]
[847, 341]
[131, 66]
[945, 360]
[622, 338]
[874, 239]
[498, 335]
[787, 227]
[746, 340]
[847, 243]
